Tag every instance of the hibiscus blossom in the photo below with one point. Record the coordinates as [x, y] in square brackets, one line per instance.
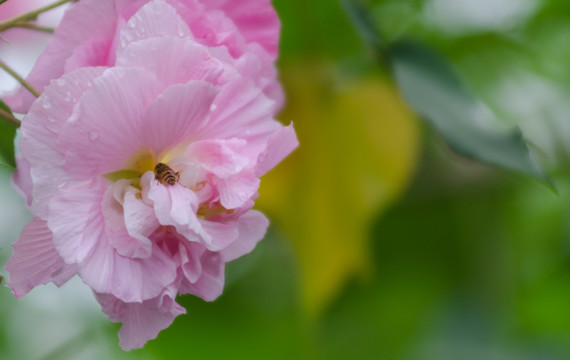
[142, 157]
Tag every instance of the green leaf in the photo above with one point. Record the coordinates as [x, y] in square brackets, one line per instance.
[7, 134]
[361, 19]
[431, 88]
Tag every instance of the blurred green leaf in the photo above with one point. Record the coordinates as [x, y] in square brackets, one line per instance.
[363, 23]
[432, 89]
[7, 134]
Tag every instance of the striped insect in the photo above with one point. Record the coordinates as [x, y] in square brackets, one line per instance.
[165, 175]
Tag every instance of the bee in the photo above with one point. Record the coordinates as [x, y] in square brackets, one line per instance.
[165, 175]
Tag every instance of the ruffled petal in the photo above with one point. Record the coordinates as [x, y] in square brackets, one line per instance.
[105, 132]
[81, 23]
[141, 321]
[176, 114]
[252, 227]
[128, 221]
[74, 211]
[35, 260]
[140, 221]
[174, 60]
[22, 179]
[255, 19]
[130, 280]
[236, 190]
[220, 157]
[40, 130]
[279, 145]
[210, 284]
[241, 111]
[155, 19]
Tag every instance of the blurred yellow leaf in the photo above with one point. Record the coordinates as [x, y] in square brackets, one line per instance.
[359, 145]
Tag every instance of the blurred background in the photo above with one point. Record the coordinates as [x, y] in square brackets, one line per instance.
[384, 243]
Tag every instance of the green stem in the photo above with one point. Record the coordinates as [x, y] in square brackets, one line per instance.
[19, 78]
[9, 117]
[32, 15]
[30, 26]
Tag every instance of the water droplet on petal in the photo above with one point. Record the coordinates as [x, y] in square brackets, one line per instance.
[46, 102]
[181, 31]
[51, 119]
[60, 82]
[213, 107]
[132, 24]
[242, 194]
[93, 136]
[68, 96]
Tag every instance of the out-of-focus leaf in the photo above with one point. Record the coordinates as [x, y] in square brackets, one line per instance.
[363, 23]
[434, 92]
[319, 29]
[7, 134]
[358, 149]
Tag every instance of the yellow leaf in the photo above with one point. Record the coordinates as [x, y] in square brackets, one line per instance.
[359, 144]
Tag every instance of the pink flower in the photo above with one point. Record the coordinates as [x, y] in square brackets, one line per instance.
[138, 83]
[94, 33]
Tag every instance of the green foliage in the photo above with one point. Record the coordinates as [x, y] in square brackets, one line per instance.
[435, 93]
[7, 134]
[433, 90]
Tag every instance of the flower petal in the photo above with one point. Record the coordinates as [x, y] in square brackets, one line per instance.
[105, 132]
[255, 19]
[211, 282]
[176, 114]
[174, 60]
[141, 321]
[40, 130]
[128, 221]
[252, 227]
[74, 211]
[130, 280]
[35, 260]
[241, 111]
[22, 179]
[81, 23]
[155, 19]
[220, 157]
[279, 145]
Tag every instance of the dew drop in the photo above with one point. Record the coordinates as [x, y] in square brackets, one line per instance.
[51, 119]
[181, 31]
[132, 24]
[60, 82]
[68, 96]
[46, 102]
[93, 136]
[242, 194]
[213, 107]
